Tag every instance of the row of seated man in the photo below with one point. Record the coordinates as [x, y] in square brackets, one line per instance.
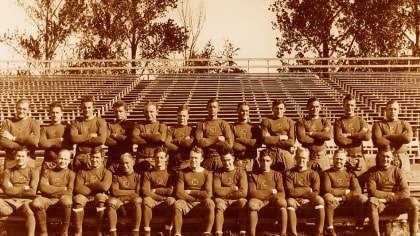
[297, 192]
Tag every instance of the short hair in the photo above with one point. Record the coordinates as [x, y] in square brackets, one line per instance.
[212, 100]
[23, 100]
[348, 97]
[312, 99]
[119, 104]
[150, 103]
[340, 150]
[277, 102]
[265, 152]
[160, 149]
[97, 150]
[225, 150]
[87, 99]
[127, 154]
[392, 101]
[244, 103]
[197, 150]
[183, 108]
[56, 104]
[22, 149]
[300, 150]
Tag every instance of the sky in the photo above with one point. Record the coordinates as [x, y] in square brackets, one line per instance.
[245, 23]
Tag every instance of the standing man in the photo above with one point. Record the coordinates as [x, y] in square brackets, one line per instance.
[391, 131]
[230, 187]
[90, 187]
[302, 186]
[118, 139]
[388, 192]
[88, 132]
[349, 133]
[342, 192]
[55, 136]
[247, 138]
[21, 130]
[180, 139]
[266, 192]
[312, 132]
[157, 189]
[148, 135]
[19, 184]
[56, 186]
[213, 133]
[278, 133]
[194, 191]
[125, 191]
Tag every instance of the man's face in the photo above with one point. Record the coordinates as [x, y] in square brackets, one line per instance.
[182, 117]
[96, 160]
[195, 160]
[243, 113]
[213, 109]
[127, 164]
[302, 159]
[22, 110]
[120, 113]
[63, 159]
[56, 115]
[279, 110]
[392, 111]
[314, 108]
[21, 158]
[385, 159]
[161, 160]
[150, 113]
[88, 110]
[349, 108]
[265, 163]
[340, 160]
[227, 161]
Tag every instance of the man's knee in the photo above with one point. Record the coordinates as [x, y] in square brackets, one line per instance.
[79, 200]
[112, 202]
[373, 203]
[66, 201]
[26, 209]
[38, 204]
[280, 202]
[254, 204]
[208, 203]
[5, 209]
[100, 198]
[318, 201]
[220, 204]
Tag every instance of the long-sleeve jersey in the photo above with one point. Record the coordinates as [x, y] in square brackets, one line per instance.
[125, 185]
[272, 128]
[261, 185]
[50, 139]
[321, 131]
[161, 181]
[177, 142]
[118, 139]
[26, 131]
[302, 184]
[337, 182]
[230, 184]
[81, 129]
[93, 181]
[16, 179]
[57, 182]
[247, 138]
[208, 132]
[389, 184]
[392, 133]
[148, 136]
[200, 184]
[358, 130]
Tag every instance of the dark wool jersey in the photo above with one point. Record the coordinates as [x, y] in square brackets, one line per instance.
[272, 128]
[321, 129]
[337, 181]
[176, 141]
[148, 136]
[54, 180]
[359, 130]
[80, 133]
[50, 139]
[118, 139]
[392, 133]
[161, 181]
[247, 138]
[91, 182]
[125, 184]
[301, 184]
[261, 185]
[15, 179]
[382, 183]
[225, 183]
[208, 131]
[26, 131]
[200, 184]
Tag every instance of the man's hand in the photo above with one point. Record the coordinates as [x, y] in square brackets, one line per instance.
[93, 135]
[8, 135]
[221, 138]
[284, 137]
